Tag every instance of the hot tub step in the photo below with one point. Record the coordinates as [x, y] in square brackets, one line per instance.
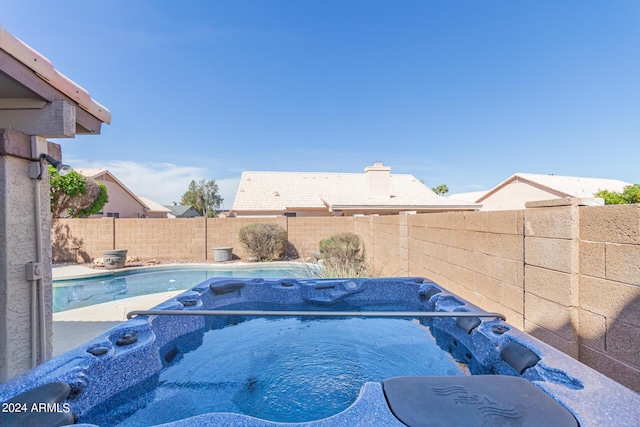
[477, 400]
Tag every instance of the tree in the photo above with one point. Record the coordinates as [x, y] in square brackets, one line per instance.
[441, 189]
[630, 194]
[203, 195]
[74, 196]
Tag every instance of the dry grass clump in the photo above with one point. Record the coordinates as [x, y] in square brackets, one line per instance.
[342, 255]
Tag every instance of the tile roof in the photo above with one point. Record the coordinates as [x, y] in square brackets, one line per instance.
[279, 191]
[178, 210]
[90, 172]
[153, 206]
[471, 196]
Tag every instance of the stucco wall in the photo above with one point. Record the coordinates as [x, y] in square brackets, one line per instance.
[566, 274]
[514, 196]
[120, 201]
[17, 248]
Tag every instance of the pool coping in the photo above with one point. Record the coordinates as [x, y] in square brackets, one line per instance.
[71, 272]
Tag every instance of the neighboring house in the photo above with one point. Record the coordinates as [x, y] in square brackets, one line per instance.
[182, 211]
[223, 213]
[122, 202]
[520, 188]
[470, 197]
[376, 191]
[154, 210]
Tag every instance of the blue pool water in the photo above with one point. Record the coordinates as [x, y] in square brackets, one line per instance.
[287, 369]
[77, 293]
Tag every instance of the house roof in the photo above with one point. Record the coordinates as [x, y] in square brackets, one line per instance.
[153, 206]
[281, 191]
[92, 172]
[178, 210]
[470, 197]
[568, 186]
[18, 97]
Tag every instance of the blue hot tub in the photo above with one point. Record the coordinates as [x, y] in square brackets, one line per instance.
[329, 352]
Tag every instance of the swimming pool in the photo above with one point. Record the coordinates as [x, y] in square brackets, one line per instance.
[83, 292]
[164, 362]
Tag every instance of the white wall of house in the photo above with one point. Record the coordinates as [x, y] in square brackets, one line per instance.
[515, 194]
[156, 215]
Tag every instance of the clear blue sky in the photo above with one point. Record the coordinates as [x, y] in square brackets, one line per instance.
[465, 93]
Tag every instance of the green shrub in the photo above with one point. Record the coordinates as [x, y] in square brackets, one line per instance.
[266, 242]
[346, 247]
[75, 196]
[343, 255]
[630, 194]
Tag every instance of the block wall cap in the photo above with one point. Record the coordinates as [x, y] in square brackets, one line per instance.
[565, 201]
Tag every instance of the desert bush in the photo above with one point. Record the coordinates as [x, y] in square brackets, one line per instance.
[343, 255]
[345, 247]
[266, 242]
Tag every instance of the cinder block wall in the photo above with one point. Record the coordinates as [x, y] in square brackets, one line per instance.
[477, 255]
[390, 246]
[609, 299]
[163, 239]
[81, 240]
[552, 284]
[225, 231]
[305, 233]
[363, 226]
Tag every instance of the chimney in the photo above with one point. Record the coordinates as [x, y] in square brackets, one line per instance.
[378, 179]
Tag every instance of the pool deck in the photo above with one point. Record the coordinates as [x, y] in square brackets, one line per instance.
[74, 327]
[65, 272]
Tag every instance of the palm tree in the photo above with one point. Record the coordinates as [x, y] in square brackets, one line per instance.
[441, 189]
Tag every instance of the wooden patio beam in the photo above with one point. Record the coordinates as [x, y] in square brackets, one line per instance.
[55, 120]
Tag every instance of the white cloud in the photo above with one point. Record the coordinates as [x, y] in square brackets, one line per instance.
[163, 183]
